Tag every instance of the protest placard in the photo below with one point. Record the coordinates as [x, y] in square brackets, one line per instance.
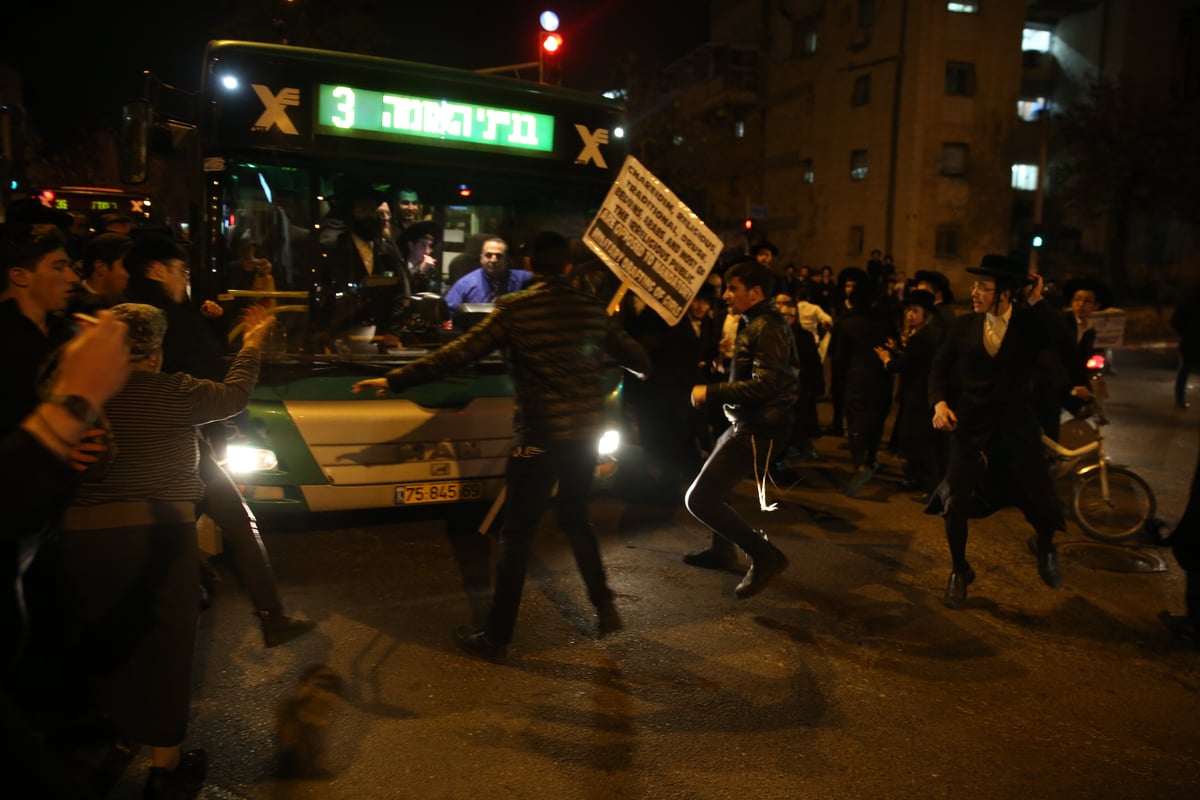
[652, 241]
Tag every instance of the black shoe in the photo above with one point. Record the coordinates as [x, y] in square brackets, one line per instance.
[608, 620]
[766, 566]
[861, 476]
[923, 499]
[479, 644]
[181, 783]
[711, 558]
[956, 588]
[1047, 564]
[278, 628]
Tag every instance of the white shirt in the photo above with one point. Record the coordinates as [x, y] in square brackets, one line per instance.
[811, 316]
[994, 328]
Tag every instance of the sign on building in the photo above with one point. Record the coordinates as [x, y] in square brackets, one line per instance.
[652, 241]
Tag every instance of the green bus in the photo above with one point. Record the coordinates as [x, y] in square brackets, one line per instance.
[288, 142]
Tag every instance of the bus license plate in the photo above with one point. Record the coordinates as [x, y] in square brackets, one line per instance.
[412, 494]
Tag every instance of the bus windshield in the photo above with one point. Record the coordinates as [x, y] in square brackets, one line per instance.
[349, 193]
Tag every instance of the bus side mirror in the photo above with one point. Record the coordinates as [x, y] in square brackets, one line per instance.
[134, 140]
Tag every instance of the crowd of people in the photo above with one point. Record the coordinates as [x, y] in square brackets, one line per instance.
[117, 381]
[103, 556]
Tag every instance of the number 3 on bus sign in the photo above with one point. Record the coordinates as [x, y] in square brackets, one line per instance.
[344, 116]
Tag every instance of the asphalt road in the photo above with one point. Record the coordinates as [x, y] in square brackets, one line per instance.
[845, 679]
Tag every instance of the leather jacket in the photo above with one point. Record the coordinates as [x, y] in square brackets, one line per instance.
[764, 374]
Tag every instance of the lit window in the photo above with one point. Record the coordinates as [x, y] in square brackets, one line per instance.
[806, 171]
[960, 78]
[1025, 177]
[854, 245]
[1035, 39]
[739, 130]
[962, 7]
[946, 241]
[858, 165]
[862, 91]
[1029, 110]
[954, 159]
[804, 36]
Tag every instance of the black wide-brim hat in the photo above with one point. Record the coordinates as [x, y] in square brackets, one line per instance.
[1002, 268]
[1103, 295]
[937, 280]
[921, 299]
[418, 229]
[856, 274]
[764, 245]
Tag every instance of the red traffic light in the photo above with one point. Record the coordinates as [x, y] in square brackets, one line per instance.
[551, 43]
[749, 224]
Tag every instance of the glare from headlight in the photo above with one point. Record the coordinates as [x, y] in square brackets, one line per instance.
[242, 459]
[609, 443]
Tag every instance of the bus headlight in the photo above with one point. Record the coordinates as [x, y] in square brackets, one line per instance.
[609, 442]
[241, 459]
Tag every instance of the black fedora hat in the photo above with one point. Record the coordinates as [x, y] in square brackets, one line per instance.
[1103, 295]
[937, 280]
[921, 299]
[856, 274]
[418, 229]
[1003, 269]
[764, 245]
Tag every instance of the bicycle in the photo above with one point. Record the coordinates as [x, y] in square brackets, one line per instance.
[1110, 502]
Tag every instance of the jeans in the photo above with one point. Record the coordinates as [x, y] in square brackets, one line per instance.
[531, 473]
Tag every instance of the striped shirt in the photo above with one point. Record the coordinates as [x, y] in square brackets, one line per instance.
[153, 420]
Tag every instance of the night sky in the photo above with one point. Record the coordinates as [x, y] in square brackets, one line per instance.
[80, 61]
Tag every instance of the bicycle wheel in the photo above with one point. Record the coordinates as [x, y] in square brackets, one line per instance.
[1130, 503]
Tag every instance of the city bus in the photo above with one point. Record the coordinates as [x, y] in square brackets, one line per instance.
[289, 141]
[93, 202]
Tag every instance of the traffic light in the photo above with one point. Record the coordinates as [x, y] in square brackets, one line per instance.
[550, 44]
[749, 225]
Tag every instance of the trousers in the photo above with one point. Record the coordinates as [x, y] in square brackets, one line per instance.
[739, 454]
[532, 472]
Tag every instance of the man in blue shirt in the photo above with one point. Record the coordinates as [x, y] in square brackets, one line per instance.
[492, 279]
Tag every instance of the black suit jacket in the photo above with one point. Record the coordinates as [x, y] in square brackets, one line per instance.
[983, 391]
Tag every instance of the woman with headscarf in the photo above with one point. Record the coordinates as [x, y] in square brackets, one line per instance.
[129, 545]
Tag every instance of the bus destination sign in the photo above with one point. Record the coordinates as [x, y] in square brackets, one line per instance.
[351, 112]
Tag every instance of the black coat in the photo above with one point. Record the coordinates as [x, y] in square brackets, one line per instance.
[992, 397]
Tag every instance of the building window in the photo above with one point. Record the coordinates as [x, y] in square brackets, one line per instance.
[1030, 110]
[739, 129]
[962, 7]
[946, 241]
[1025, 177]
[960, 78]
[806, 171]
[1036, 40]
[805, 37]
[854, 244]
[858, 165]
[862, 90]
[954, 159]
